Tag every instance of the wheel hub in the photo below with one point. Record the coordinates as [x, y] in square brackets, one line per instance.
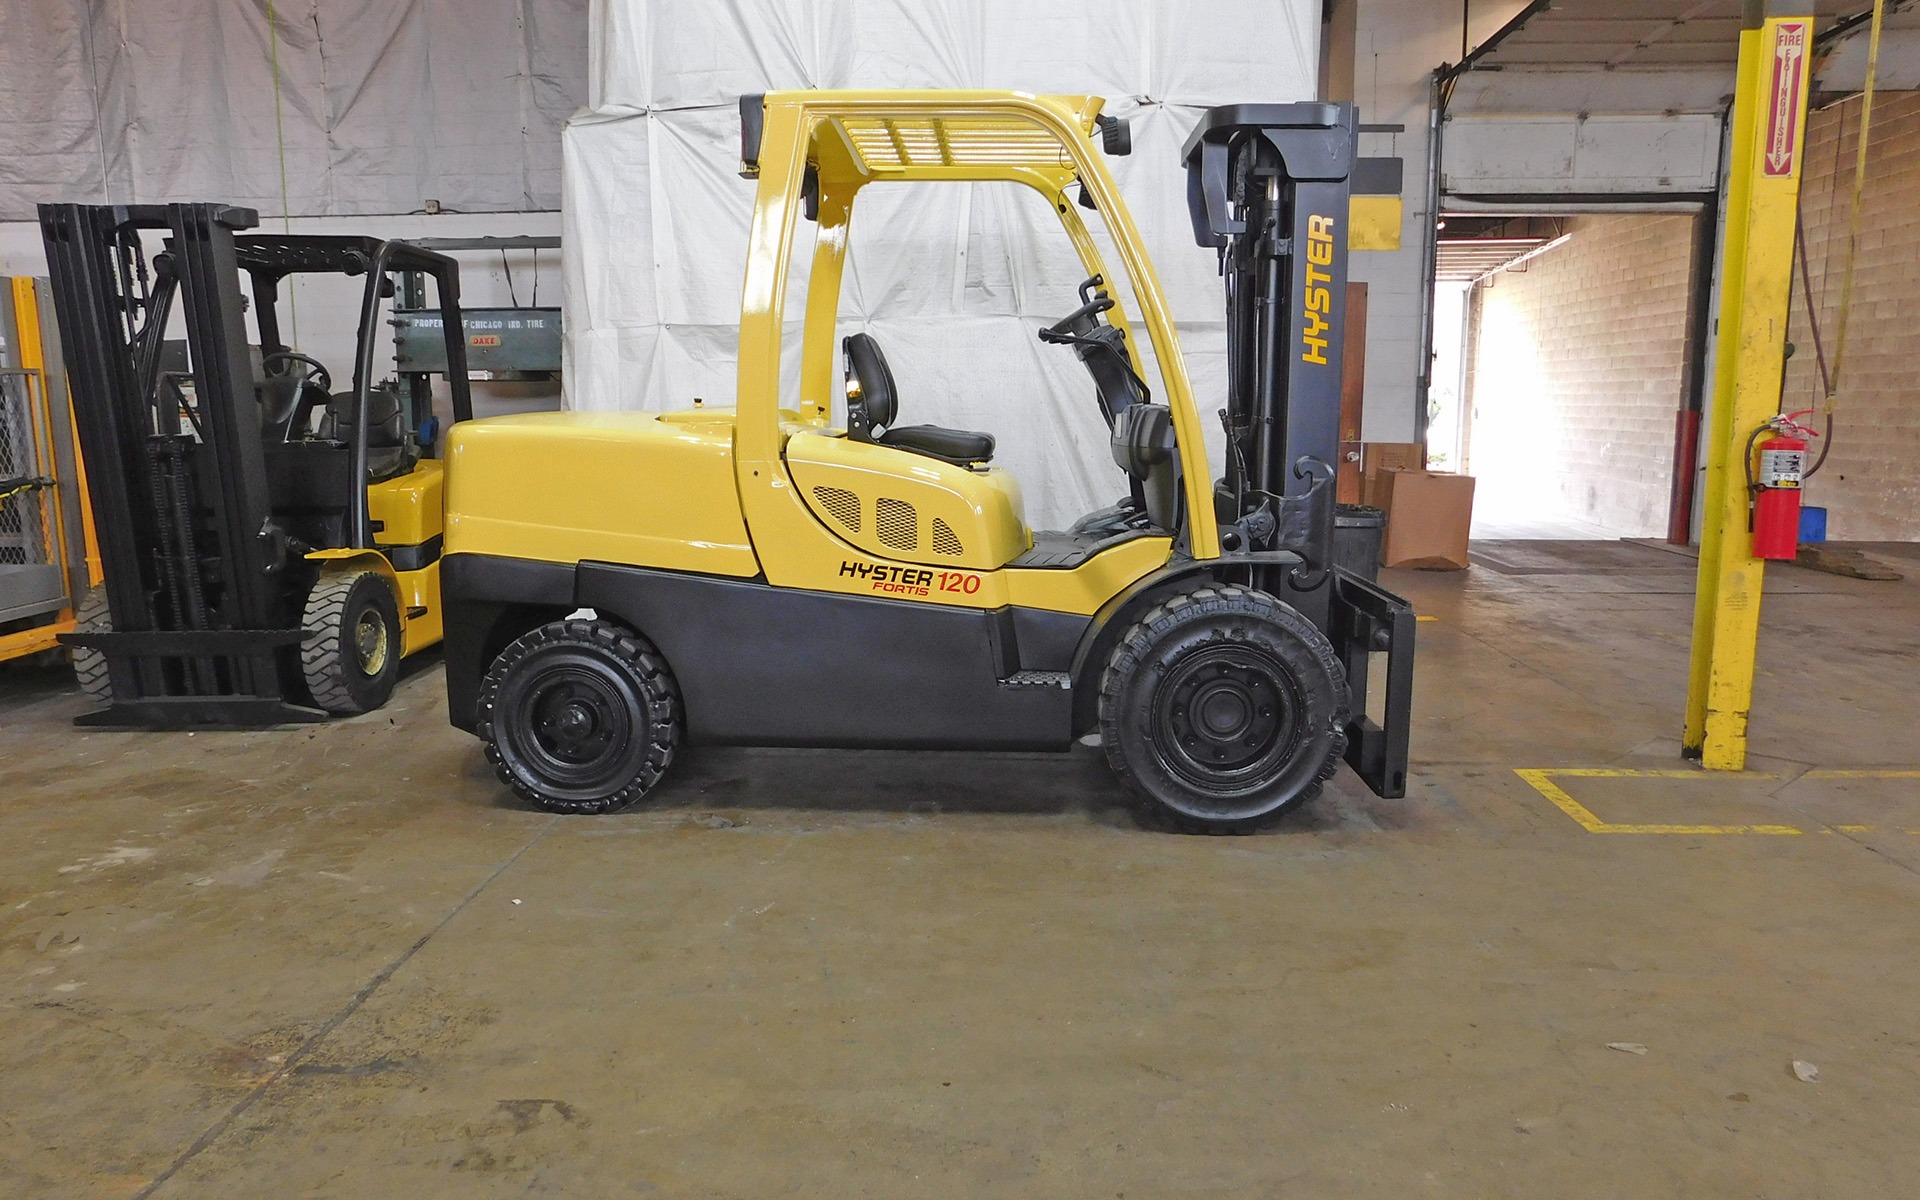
[574, 720]
[1223, 712]
[1224, 717]
[370, 645]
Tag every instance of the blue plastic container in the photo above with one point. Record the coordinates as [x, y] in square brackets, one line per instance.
[1813, 525]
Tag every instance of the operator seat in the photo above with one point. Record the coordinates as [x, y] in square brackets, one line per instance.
[389, 453]
[872, 404]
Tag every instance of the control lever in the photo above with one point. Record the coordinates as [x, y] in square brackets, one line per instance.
[1092, 303]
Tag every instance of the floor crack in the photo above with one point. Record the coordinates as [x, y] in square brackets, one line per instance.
[313, 1040]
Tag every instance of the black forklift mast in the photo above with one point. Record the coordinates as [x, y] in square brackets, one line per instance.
[205, 620]
[1268, 187]
[193, 636]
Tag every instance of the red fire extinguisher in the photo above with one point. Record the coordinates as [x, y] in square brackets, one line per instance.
[1775, 484]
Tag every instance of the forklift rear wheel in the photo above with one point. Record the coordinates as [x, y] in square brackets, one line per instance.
[90, 666]
[580, 717]
[1224, 708]
[350, 655]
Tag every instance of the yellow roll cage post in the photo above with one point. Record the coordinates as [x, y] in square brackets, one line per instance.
[1763, 191]
[847, 140]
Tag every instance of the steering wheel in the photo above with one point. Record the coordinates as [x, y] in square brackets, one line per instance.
[316, 373]
[1072, 329]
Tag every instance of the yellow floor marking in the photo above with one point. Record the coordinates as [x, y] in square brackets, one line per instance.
[1426, 618]
[1862, 773]
[1542, 781]
[1662, 773]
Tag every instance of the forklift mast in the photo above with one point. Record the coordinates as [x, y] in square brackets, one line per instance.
[203, 579]
[192, 599]
[1268, 187]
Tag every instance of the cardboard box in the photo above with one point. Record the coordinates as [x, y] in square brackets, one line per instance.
[1388, 456]
[1429, 514]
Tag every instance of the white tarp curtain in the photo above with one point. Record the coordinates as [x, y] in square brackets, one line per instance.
[384, 104]
[952, 279]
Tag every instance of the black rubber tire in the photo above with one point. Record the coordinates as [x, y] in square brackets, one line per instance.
[1216, 673]
[90, 666]
[580, 716]
[350, 656]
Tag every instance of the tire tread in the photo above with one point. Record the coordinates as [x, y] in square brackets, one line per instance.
[89, 665]
[323, 652]
[663, 710]
[1136, 644]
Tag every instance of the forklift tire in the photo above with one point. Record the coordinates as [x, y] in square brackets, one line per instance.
[1224, 708]
[90, 666]
[580, 717]
[350, 655]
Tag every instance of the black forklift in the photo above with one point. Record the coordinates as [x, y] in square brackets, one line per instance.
[269, 541]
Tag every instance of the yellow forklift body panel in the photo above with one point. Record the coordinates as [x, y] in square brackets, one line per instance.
[407, 510]
[420, 594]
[906, 506]
[1091, 584]
[648, 489]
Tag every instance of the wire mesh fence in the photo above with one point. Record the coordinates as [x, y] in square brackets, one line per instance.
[26, 492]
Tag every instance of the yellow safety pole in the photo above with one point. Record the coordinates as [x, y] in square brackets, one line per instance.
[1763, 189]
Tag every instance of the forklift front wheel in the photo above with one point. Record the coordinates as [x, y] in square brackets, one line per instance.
[580, 717]
[1224, 707]
[350, 655]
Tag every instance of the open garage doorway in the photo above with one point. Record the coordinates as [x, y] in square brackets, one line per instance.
[1575, 344]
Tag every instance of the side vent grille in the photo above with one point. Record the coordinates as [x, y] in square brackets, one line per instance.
[944, 541]
[897, 524]
[842, 505]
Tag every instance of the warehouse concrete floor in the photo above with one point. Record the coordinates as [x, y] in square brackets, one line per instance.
[338, 962]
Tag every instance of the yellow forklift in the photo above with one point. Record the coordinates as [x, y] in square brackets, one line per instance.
[620, 584]
[269, 539]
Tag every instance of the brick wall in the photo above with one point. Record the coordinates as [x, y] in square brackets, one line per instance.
[1579, 362]
[1871, 482]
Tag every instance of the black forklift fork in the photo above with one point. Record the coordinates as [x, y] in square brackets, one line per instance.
[1268, 187]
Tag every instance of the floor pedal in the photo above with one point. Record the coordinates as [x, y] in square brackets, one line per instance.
[1038, 679]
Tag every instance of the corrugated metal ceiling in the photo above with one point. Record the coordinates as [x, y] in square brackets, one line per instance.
[1607, 35]
[1468, 259]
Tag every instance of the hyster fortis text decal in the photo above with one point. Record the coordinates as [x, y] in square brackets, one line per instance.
[911, 581]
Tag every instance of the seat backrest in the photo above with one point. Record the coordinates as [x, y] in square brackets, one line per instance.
[386, 427]
[872, 403]
[1143, 446]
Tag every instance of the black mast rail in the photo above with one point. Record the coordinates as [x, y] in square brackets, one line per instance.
[1268, 186]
